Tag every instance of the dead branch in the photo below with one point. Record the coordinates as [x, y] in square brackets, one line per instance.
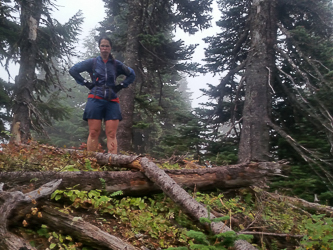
[299, 149]
[273, 234]
[12, 200]
[308, 60]
[297, 202]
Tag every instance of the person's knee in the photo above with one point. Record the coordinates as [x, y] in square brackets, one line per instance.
[94, 133]
[111, 134]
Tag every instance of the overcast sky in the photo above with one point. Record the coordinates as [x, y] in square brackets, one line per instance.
[93, 11]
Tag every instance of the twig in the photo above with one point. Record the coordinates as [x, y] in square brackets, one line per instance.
[273, 234]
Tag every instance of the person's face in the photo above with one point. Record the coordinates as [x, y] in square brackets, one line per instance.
[105, 48]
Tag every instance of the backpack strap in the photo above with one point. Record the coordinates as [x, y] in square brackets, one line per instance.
[93, 74]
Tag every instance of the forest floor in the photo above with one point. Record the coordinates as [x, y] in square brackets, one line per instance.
[154, 221]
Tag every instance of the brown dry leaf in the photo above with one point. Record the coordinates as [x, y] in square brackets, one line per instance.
[34, 210]
[24, 223]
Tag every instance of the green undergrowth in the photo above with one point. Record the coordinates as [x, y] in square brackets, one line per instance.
[156, 218]
[158, 222]
[44, 238]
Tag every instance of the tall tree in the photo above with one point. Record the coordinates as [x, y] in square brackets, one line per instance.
[40, 42]
[277, 55]
[254, 141]
[145, 27]
[131, 56]
[31, 12]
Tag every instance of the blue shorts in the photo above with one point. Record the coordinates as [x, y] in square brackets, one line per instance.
[102, 109]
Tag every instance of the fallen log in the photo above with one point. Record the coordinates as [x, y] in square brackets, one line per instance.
[20, 204]
[12, 200]
[235, 176]
[136, 183]
[83, 231]
[297, 202]
[187, 203]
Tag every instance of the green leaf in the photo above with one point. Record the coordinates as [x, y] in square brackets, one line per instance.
[56, 192]
[116, 193]
[69, 238]
[43, 232]
[58, 197]
[53, 245]
[55, 235]
[142, 205]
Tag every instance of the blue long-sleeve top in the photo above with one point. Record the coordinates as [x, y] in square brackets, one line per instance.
[103, 76]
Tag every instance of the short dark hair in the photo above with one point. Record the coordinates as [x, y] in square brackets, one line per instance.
[105, 38]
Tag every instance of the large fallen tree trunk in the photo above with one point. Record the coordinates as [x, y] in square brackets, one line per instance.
[81, 230]
[136, 183]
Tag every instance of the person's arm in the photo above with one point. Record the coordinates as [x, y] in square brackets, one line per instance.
[128, 72]
[79, 68]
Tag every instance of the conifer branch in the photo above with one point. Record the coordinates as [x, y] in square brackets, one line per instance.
[313, 159]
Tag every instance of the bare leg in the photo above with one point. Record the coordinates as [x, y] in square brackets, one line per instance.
[111, 131]
[94, 131]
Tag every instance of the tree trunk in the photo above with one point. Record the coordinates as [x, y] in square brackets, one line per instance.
[254, 142]
[125, 134]
[30, 15]
[136, 183]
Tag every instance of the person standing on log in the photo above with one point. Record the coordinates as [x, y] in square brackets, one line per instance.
[103, 103]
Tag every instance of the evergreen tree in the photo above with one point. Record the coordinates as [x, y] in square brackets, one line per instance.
[277, 59]
[72, 130]
[142, 31]
[36, 41]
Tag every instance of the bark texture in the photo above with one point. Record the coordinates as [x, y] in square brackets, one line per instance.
[125, 134]
[13, 200]
[23, 103]
[254, 142]
[81, 230]
[136, 183]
